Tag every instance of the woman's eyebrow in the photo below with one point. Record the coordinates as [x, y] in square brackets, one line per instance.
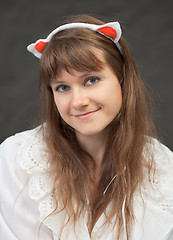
[86, 74]
[56, 81]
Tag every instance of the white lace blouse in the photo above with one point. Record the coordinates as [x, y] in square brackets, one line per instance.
[26, 200]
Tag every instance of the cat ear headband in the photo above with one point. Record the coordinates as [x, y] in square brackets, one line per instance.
[110, 30]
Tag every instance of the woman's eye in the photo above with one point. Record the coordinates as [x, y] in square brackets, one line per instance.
[91, 81]
[62, 88]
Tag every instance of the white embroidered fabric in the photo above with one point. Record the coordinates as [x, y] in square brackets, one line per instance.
[33, 157]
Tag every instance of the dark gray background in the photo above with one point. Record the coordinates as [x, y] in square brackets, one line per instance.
[147, 26]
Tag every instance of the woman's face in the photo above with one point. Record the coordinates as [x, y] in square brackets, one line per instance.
[87, 101]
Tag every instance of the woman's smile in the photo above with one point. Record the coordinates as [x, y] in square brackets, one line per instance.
[87, 115]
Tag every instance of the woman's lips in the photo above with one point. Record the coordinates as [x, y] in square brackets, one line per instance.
[87, 115]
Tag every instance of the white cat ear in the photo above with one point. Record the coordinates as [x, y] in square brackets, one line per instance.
[37, 48]
[111, 30]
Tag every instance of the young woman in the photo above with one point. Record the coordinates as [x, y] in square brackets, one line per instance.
[93, 169]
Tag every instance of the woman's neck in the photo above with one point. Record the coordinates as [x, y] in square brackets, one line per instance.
[94, 145]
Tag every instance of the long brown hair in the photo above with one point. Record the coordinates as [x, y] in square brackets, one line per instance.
[70, 164]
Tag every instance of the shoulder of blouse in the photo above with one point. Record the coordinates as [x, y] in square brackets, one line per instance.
[32, 156]
[160, 190]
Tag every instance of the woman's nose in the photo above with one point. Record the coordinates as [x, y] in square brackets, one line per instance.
[79, 99]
